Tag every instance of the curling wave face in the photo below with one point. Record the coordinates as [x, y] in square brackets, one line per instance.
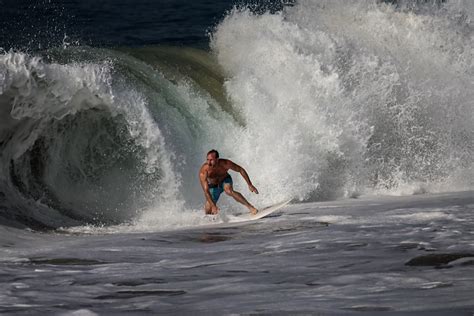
[77, 144]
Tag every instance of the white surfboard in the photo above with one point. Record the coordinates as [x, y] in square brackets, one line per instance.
[261, 213]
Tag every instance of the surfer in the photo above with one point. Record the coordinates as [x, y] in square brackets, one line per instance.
[215, 179]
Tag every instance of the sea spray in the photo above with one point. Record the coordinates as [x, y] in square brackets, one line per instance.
[360, 96]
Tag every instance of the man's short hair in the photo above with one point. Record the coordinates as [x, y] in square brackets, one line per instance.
[213, 151]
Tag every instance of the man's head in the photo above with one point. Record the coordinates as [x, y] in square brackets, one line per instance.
[212, 158]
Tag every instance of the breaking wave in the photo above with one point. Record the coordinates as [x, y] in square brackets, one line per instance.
[321, 100]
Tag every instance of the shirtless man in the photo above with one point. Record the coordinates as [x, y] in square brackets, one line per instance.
[215, 179]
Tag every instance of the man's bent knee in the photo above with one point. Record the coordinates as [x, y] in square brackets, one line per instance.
[228, 190]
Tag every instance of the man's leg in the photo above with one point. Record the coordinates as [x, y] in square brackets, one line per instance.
[229, 190]
[215, 193]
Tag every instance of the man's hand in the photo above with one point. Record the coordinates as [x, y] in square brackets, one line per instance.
[253, 189]
[214, 210]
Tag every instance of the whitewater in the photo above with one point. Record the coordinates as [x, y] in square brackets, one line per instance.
[361, 112]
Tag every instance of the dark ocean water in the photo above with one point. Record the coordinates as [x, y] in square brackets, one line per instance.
[43, 24]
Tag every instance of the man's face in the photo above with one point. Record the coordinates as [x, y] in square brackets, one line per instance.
[212, 160]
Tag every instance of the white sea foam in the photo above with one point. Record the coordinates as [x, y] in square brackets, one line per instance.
[352, 97]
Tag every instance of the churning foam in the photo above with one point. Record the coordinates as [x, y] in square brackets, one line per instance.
[341, 97]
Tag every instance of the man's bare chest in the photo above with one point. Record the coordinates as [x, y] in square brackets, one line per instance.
[216, 173]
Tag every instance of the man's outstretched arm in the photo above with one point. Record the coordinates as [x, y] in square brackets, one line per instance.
[235, 167]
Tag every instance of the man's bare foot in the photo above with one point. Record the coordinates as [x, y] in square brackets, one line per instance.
[214, 210]
[253, 210]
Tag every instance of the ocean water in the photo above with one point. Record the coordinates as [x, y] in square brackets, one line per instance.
[360, 111]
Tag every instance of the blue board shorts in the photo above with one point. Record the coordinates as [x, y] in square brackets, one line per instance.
[216, 190]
